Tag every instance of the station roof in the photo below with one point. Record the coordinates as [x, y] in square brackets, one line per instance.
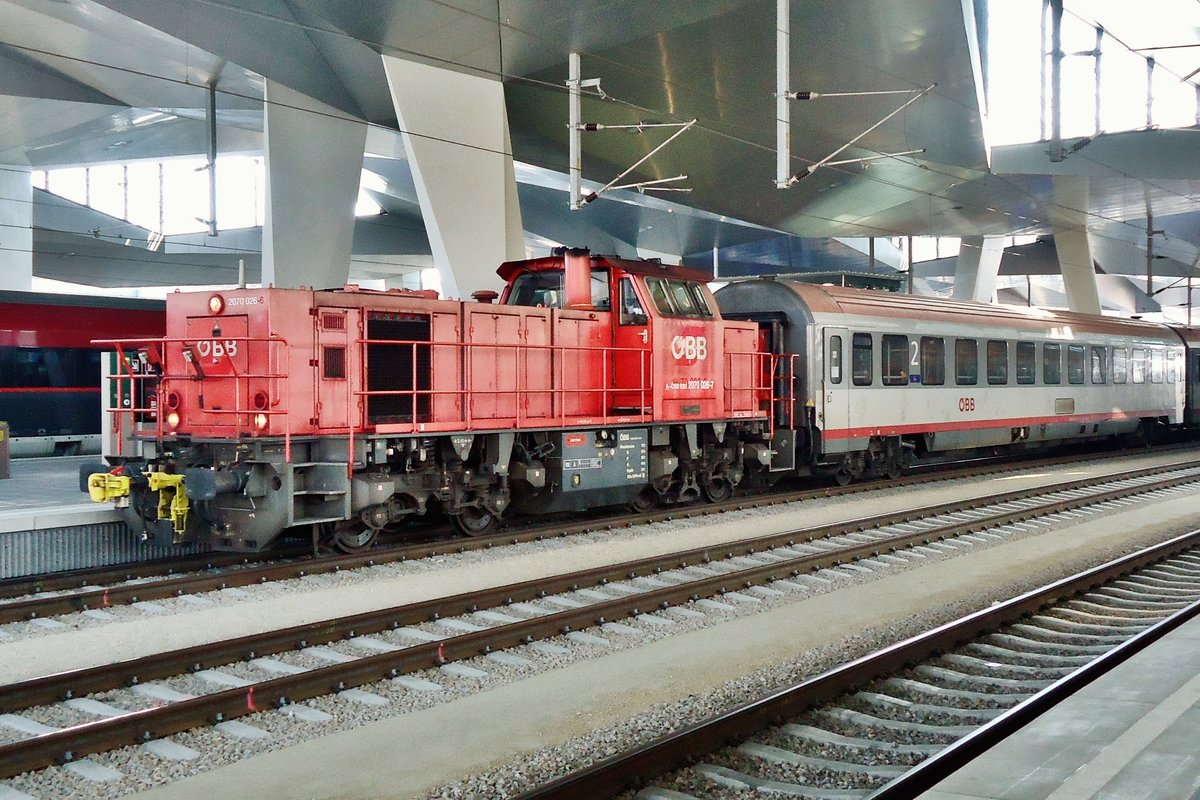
[84, 81]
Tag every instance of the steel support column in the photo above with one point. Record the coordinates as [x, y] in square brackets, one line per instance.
[314, 156]
[977, 266]
[16, 229]
[1069, 219]
[455, 131]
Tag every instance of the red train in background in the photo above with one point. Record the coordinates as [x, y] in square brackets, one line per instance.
[595, 381]
[50, 392]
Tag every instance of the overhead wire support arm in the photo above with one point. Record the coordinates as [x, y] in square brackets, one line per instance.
[576, 87]
[683, 127]
[917, 94]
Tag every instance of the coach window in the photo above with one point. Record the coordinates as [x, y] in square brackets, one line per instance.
[1026, 362]
[1172, 373]
[895, 360]
[1138, 365]
[835, 359]
[933, 361]
[1075, 358]
[1052, 364]
[632, 312]
[1156, 366]
[1120, 365]
[1098, 358]
[966, 362]
[860, 359]
[997, 362]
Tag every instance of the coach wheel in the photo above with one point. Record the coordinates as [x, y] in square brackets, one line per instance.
[352, 536]
[894, 466]
[716, 490]
[473, 521]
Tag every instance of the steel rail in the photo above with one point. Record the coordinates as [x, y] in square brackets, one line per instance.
[86, 598]
[50, 748]
[69, 580]
[33, 608]
[95, 679]
[924, 473]
[675, 750]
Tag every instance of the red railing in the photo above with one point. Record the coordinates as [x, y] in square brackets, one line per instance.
[531, 388]
[160, 373]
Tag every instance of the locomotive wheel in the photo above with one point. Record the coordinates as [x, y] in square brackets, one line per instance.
[644, 502]
[843, 476]
[716, 490]
[351, 537]
[473, 521]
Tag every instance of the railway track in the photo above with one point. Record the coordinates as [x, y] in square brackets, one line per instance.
[83, 590]
[127, 703]
[895, 723]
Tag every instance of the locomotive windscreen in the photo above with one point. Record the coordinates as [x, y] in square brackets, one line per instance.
[400, 367]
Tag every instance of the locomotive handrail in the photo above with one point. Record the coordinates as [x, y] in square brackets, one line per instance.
[520, 391]
[128, 380]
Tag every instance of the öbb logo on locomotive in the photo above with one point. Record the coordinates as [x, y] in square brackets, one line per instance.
[216, 348]
[550, 401]
[688, 349]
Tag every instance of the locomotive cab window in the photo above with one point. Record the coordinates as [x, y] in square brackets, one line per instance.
[966, 362]
[1098, 365]
[933, 361]
[1075, 358]
[1026, 362]
[1120, 365]
[895, 360]
[677, 298]
[545, 289]
[860, 359]
[835, 359]
[1052, 364]
[632, 312]
[997, 362]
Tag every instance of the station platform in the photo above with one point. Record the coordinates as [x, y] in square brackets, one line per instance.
[48, 525]
[44, 492]
[1130, 735]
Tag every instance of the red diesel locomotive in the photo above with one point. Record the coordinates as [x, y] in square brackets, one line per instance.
[595, 381]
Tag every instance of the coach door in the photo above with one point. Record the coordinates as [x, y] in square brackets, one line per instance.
[834, 403]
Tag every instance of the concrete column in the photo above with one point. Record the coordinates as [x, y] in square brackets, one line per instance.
[455, 131]
[1069, 219]
[16, 229]
[314, 157]
[976, 268]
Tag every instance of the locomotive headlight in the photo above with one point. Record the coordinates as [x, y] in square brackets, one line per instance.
[260, 421]
[216, 304]
[173, 420]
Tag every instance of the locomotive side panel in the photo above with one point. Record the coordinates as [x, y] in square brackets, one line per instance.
[745, 391]
[492, 367]
[582, 342]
